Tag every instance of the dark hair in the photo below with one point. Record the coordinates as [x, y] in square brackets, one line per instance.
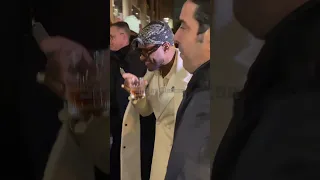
[122, 25]
[133, 36]
[203, 14]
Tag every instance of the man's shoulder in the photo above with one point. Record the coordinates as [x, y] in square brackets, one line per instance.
[309, 26]
[311, 23]
[133, 57]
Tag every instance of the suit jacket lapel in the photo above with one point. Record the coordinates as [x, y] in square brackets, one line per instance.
[176, 85]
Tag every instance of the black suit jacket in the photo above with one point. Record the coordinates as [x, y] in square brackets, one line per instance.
[130, 62]
[274, 132]
[190, 156]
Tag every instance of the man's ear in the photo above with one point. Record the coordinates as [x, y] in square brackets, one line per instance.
[200, 38]
[207, 36]
[204, 37]
[207, 40]
[123, 36]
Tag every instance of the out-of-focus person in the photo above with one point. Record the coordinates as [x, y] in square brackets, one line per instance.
[134, 25]
[274, 131]
[122, 56]
[190, 154]
[35, 105]
[166, 80]
[75, 154]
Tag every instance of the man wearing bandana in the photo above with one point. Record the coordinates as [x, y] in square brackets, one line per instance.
[166, 80]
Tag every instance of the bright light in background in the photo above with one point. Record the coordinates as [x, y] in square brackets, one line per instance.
[148, 19]
[169, 21]
[133, 22]
[166, 20]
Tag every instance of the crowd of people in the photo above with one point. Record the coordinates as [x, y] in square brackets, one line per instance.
[162, 131]
[144, 130]
[145, 141]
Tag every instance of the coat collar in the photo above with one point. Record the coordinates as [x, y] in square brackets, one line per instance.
[177, 83]
[179, 70]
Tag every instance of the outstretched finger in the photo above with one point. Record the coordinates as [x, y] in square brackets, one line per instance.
[129, 76]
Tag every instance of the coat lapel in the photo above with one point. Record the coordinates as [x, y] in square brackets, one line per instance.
[130, 144]
[175, 87]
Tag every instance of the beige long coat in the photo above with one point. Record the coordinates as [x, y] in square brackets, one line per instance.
[74, 155]
[130, 147]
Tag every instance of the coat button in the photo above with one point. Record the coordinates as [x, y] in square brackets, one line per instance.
[124, 147]
[125, 124]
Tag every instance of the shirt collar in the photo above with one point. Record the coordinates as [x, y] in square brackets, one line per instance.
[173, 69]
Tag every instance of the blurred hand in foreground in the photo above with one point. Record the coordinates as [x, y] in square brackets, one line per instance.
[58, 51]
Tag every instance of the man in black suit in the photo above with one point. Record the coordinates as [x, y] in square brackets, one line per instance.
[190, 155]
[274, 132]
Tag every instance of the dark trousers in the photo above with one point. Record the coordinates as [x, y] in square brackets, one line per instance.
[147, 131]
[115, 159]
[99, 175]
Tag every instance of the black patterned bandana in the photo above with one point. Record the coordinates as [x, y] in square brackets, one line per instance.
[155, 33]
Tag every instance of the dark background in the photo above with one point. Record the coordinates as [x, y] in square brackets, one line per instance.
[29, 122]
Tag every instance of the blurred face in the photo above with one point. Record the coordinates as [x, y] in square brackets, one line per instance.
[246, 12]
[153, 55]
[118, 38]
[260, 16]
[187, 37]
